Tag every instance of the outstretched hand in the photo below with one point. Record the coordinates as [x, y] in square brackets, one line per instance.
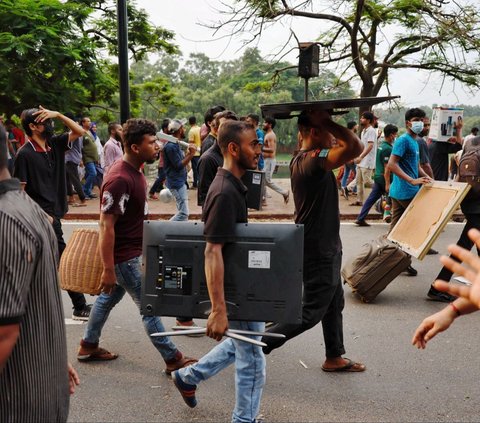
[471, 273]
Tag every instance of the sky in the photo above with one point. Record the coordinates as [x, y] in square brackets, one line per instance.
[187, 19]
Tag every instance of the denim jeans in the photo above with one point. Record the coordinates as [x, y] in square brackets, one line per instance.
[129, 277]
[181, 198]
[249, 370]
[90, 176]
[376, 193]
[347, 168]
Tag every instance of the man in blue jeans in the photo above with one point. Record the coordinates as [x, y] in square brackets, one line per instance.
[381, 179]
[121, 231]
[174, 163]
[224, 207]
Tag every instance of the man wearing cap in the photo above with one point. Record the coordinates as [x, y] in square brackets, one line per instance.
[174, 165]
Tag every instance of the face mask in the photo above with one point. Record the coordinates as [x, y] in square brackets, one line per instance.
[48, 131]
[417, 127]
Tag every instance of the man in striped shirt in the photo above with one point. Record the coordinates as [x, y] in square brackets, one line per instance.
[34, 373]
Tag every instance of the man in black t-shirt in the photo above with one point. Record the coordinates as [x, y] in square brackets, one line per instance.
[224, 207]
[40, 165]
[316, 203]
[212, 159]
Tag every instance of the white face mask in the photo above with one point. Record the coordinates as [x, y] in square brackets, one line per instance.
[417, 127]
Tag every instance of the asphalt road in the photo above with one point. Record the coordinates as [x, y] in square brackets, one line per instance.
[401, 384]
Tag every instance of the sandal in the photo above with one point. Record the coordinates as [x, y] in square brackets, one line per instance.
[99, 354]
[351, 366]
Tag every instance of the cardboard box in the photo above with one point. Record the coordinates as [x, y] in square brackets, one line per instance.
[444, 119]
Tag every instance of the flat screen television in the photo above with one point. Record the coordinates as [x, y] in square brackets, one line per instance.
[263, 271]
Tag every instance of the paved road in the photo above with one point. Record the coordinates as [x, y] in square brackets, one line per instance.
[401, 384]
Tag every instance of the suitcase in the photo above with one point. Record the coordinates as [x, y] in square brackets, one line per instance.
[378, 263]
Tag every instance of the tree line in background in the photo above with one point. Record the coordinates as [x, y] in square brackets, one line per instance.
[61, 54]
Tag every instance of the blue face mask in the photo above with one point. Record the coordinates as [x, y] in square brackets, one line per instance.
[417, 127]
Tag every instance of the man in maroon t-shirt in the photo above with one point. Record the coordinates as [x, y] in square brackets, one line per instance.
[123, 209]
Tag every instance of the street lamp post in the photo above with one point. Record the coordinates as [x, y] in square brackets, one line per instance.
[123, 60]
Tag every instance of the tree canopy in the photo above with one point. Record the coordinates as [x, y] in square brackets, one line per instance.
[58, 53]
[368, 39]
[241, 85]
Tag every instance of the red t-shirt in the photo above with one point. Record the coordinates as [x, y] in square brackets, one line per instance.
[124, 193]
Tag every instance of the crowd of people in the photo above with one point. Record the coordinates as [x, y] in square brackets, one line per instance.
[45, 168]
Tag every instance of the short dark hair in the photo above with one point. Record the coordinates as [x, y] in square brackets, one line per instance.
[10, 122]
[211, 112]
[369, 116]
[414, 113]
[27, 118]
[254, 117]
[192, 120]
[3, 148]
[230, 131]
[271, 120]
[164, 125]
[112, 126]
[474, 129]
[84, 118]
[226, 114]
[389, 130]
[351, 124]
[135, 129]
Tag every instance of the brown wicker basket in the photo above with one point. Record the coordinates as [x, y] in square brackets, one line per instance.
[80, 266]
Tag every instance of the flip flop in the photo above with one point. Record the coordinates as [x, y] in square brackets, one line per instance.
[351, 366]
[100, 354]
[77, 204]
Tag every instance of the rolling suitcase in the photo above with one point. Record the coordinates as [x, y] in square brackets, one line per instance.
[378, 263]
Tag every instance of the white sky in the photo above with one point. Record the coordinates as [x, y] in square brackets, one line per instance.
[184, 17]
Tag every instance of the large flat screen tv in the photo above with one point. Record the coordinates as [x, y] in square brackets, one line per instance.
[263, 271]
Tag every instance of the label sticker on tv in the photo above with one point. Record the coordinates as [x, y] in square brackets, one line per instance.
[256, 179]
[258, 259]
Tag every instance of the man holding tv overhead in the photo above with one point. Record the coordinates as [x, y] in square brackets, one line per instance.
[224, 207]
[316, 203]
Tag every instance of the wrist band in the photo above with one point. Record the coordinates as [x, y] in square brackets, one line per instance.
[455, 309]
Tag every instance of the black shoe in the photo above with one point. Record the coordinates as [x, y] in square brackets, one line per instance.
[432, 252]
[82, 314]
[411, 271]
[345, 193]
[361, 223]
[443, 297]
[186, 390]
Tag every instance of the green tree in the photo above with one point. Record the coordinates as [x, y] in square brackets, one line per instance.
[368, 39]
[55, 53]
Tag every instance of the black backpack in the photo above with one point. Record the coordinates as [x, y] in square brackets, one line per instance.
[469, 167]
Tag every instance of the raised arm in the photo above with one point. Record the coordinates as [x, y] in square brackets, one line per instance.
[348, 144]
[75, 129]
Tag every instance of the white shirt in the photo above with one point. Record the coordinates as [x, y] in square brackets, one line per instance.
[369, 135]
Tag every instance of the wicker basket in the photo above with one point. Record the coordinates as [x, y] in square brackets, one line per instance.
[80, 266]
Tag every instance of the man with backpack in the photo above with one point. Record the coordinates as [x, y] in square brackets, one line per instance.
[468, 171]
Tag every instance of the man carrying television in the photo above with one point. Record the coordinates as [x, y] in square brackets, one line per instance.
[316, 201]
[224, 207]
